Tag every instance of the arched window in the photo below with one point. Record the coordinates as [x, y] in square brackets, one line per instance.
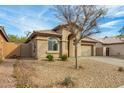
[52, 44]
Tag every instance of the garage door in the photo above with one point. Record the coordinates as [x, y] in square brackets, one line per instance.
[86, 50]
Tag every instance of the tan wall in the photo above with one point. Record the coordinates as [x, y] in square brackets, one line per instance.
[116, 49]
[2, 41]
[42, 48]
[64, 42]
[11, 50]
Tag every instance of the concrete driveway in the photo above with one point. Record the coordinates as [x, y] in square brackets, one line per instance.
[109, 60]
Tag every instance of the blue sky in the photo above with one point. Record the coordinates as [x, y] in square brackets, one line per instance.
[19, 19]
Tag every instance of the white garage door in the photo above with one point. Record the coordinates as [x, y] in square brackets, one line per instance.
[86, 50]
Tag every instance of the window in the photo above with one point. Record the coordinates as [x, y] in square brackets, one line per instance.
[52, 44]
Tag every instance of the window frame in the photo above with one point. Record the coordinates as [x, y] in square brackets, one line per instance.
[53, 41]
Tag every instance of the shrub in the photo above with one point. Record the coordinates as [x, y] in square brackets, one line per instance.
[22, 73]
[49, 57]
[23, 86]
[68, 82]
[120, 69]
[64, 57]
[81, 67]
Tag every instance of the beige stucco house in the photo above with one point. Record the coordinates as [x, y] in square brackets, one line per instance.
[59, 42]
[112, 46]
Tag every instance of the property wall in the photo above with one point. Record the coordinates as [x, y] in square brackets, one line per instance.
[11, 49]
[116, 49]
[25, 50]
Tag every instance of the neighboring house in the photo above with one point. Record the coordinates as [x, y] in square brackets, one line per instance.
[7, 49]
[112, 46]
[3, 40]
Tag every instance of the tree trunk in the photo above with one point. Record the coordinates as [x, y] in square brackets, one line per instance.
[76, 63]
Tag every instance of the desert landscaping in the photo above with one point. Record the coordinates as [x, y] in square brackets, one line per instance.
[32, 73]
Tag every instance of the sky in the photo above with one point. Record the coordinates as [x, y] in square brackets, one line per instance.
[18, 20]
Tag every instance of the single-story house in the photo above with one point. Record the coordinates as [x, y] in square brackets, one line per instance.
[60, 41]
[3, 39]
[112, 46]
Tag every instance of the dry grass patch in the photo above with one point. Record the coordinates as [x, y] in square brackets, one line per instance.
[6, 71]
[23, 73]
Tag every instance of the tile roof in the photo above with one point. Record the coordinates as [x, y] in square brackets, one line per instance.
[112, 40]
[88, 39]
[47, 32]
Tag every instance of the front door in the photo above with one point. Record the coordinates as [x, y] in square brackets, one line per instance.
[107, 51]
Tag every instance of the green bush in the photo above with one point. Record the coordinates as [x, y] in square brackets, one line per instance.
[64, 57]
[49, 57]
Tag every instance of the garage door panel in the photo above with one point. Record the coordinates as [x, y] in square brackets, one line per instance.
[86, 50]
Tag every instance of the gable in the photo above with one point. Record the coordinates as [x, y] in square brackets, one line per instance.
[88, 39]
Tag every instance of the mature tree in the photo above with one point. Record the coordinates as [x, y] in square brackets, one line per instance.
[82, 20]
[16, 39]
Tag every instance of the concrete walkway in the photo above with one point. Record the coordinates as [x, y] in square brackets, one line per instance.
[109, 60]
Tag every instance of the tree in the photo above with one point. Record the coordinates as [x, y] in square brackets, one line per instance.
[16, 39]
[27, 33]
[121, 31]
[82, 21]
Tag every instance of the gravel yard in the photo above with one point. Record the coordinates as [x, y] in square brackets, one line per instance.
[6, 72]
[92, 74]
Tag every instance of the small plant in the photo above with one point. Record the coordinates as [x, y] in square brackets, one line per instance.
[49, 57]
[120, 69]
[23, 86]
[81, 67]
[64, 57]
[68, 82]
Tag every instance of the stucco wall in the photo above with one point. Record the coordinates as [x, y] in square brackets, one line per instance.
[11, 50]
[42, 48]
[33, 48]
[116, 49]
[2, 41]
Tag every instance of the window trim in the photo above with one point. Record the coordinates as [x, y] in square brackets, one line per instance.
[53, 39]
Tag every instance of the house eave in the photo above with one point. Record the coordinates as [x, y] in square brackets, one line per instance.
[4, 33]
